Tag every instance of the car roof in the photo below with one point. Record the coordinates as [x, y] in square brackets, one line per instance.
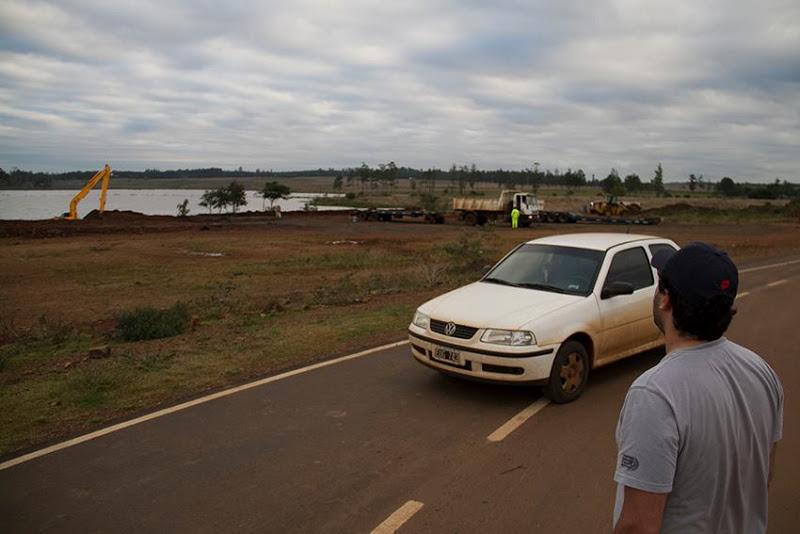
[595, 240]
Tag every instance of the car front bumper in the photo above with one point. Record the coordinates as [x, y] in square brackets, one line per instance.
[530, 367]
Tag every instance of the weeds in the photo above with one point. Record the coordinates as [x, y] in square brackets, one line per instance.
[152, 362]
[56, 333]
[466, 253]
[152, 323]
[431, 274]
[90, 388]
[342, 293]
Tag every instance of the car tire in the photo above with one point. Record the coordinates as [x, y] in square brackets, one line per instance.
[569, 374]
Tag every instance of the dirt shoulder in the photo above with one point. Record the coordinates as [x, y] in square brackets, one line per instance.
[265, 295]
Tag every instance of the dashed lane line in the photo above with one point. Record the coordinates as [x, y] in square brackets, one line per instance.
[398, 518]
[771, 266]
[771, 284]
[516, 421]
[166, 411]
[777, 283]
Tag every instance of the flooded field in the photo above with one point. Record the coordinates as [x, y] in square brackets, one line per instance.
[36, 205]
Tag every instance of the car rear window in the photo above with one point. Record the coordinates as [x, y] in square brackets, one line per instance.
[631, 266]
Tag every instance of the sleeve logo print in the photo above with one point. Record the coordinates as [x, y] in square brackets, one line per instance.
[630, 462]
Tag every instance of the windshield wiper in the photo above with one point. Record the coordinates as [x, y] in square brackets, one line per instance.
[543, 287]
[500, 281]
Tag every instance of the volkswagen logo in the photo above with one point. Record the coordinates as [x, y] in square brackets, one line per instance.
[450, 329]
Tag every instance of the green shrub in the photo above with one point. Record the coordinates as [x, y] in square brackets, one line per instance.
[152, 323]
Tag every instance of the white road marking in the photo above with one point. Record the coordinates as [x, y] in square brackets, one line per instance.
[400, 516]
[515, 422]
[761, 268]
[777, 283]
[742, 295]
[166, 411]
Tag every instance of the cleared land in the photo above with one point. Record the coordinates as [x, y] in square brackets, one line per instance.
[267, 295]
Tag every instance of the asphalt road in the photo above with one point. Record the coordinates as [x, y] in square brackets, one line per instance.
[342, 448]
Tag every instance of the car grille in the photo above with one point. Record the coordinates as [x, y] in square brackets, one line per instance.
[462, 332]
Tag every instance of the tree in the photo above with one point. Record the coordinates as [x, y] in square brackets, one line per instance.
[692, 182]
[363, 173]
[612, 184]
[337, 182]
[274, 191]
[473, 176]
[658, 181]
[727, 187]
[214, 199]
[236, 195]
[183, 208]
[633, 183]
[391, 173]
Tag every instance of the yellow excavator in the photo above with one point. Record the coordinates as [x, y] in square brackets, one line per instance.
[105, 176]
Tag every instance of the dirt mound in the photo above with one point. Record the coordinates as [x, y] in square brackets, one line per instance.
[114, 215]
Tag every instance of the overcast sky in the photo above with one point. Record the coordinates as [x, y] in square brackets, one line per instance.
[709, 87]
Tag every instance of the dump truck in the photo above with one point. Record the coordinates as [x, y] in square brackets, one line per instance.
[472, 211]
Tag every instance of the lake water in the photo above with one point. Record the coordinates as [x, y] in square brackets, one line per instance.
[32, 205]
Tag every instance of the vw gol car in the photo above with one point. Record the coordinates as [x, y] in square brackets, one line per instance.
[548, 312]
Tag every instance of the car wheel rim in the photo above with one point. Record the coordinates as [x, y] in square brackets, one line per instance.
[571, 373]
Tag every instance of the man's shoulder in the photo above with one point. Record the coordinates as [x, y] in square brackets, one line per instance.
[688, 365]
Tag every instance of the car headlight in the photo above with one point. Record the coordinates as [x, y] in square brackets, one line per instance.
[513, 338]
[421, 320]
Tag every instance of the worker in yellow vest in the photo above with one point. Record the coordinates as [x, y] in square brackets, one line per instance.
[515, 218]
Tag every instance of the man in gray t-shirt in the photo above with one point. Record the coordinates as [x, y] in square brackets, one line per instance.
[697, 433]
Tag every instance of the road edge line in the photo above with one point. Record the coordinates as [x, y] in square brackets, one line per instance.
[398, 518]
[184, 405]
[515, 422]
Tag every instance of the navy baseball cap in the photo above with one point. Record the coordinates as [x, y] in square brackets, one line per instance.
[698, 272]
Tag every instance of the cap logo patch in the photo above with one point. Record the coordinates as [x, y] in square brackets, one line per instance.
[725, 284]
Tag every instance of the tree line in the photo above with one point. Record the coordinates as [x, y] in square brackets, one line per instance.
[458, 178]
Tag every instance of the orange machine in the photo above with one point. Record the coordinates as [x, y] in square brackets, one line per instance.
[105, 175]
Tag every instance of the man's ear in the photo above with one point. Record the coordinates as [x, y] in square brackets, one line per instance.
[665, 304]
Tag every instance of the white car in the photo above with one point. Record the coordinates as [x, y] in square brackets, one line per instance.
[548, 312]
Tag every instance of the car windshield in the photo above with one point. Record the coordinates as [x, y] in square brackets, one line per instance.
[549, 268]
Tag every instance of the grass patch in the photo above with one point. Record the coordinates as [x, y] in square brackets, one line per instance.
[91, 388]
[151, 323]
[687, 213]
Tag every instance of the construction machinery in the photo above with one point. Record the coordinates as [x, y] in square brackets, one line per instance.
[612, 207]
[474, 211]
[105, 176]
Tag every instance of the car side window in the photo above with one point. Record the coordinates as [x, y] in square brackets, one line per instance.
[630, 266]
[660, 246]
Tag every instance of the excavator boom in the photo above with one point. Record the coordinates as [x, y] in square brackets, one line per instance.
[104, 175]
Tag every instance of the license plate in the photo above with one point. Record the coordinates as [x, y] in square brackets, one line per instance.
[447, 356]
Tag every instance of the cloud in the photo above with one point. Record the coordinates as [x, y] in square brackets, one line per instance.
[711, 87]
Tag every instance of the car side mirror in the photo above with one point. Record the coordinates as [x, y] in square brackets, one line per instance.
[485, 269]
[616, 288]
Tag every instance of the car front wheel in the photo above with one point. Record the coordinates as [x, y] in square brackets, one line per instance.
[569, 373]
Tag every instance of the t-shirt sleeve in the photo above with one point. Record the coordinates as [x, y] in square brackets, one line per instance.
[647, 442]
[778, 433]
